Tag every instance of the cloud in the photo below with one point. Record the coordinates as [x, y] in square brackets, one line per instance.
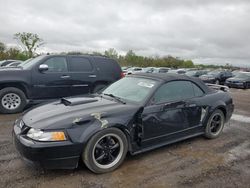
[191, 29]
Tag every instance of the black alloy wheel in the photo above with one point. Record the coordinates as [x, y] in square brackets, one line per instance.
[106, 150]
[215, 124]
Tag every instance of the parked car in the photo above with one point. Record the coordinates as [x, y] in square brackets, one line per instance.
[241, 80]
[14, 64]
[138, 113]
[161, 70]
[196, 73]
[133, 70]
[236, 72]
[7, 62]
[177, 71]
[53, 76]
[216, 76]
[148, 69]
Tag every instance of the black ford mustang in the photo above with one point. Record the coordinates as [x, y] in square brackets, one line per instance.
[135, 114]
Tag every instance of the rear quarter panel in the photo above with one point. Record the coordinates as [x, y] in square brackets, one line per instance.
[219, 100]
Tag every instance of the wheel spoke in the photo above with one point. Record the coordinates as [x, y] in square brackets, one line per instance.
[99, 146]
[101, 157]
[111, 157]
[115, 146]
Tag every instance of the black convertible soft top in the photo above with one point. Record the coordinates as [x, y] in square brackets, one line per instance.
[171, 77]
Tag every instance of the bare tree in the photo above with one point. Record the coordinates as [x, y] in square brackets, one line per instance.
[30, 42]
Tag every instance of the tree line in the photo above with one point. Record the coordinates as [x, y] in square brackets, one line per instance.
[30, 42]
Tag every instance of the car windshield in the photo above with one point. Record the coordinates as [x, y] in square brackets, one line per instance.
[148, 69]
[214, 73]
[243, 75]
[131, 89]
[191, 73]
[30, 62]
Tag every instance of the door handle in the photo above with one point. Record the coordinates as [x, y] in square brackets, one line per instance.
[92, 76]
[65, 76]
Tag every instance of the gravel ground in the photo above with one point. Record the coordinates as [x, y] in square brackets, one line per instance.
[197, 162]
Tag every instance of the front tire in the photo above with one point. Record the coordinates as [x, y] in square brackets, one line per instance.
[215, 124]
[105, 151]
[12, 100]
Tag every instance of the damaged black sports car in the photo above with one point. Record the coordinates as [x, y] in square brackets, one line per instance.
[138, 113]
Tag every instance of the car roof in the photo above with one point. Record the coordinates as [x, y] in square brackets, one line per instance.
[171, 77]
[77, 55]
[165, 77]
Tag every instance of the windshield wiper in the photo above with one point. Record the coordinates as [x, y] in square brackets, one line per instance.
[115, 97]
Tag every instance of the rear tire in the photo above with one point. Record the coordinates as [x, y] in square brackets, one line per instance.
[215, 124]
[105, 151]
[12, 100]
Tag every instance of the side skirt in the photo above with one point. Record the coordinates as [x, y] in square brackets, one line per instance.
[165, 143]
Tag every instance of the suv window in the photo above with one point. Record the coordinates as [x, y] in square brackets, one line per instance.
[56, 64]
[80, 64]
[174, 91]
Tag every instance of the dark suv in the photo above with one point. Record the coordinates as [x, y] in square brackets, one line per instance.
[54, 76]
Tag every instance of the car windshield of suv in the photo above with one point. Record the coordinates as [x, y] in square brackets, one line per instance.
[30, 63]
[131, 89]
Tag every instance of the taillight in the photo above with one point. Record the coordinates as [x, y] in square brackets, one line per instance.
[122, 74]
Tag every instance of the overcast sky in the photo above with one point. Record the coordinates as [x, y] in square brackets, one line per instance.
[215, 31]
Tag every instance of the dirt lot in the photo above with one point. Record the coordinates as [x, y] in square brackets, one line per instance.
[198, 162]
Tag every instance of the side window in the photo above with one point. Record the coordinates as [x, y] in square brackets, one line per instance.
[174, 91]
[197, 91]
[56, 64]
[80, 64]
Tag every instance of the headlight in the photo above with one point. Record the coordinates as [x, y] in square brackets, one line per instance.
[37, 134]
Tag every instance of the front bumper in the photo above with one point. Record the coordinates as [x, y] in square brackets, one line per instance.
[48, 155]
[235, 85]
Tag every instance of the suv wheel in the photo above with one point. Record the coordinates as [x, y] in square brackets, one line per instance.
[217, 82]
[12, 100]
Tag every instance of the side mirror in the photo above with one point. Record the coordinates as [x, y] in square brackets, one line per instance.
[43, 67]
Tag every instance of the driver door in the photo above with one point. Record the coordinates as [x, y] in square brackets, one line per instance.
[53, 83]
[165, 118]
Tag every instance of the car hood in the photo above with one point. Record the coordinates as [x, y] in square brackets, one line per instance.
[208, 76]
[236, 79]
[76, 110]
